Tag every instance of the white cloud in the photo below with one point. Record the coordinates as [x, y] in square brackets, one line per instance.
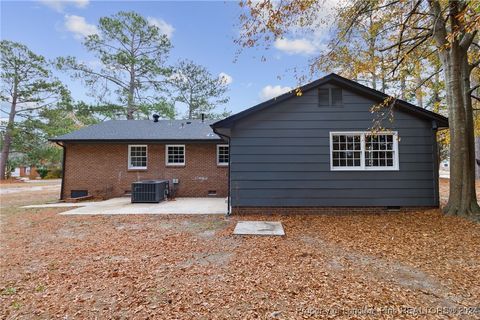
[225, 78]
[296, 46]
[269, 91]
[164, 27]
[79, 26]
[59, 5]
[312, 38]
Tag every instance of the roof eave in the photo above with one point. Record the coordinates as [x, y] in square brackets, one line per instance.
[136, 140]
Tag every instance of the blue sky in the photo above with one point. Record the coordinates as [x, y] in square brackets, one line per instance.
[202, 31]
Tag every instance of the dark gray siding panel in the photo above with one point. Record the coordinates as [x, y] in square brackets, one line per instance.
[323, 166]
[280, 157]
[332, 202]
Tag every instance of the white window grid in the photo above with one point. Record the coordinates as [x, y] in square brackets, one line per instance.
[137, 156]
[357, 151]
[223, 154]
[175, 155]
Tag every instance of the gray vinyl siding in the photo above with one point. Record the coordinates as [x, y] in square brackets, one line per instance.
[280, 156]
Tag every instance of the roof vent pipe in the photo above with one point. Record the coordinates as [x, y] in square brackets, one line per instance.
[203, 117]
[155, 117]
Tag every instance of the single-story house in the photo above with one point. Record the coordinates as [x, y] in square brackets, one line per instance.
[308, 150]
[25, 172]
[313, 147]
[22, 168]
[104, 159]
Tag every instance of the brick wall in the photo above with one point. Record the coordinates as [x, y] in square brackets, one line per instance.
[321, 210]
[102, 169]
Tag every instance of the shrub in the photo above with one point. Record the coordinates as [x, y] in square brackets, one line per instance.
[54, 173]
[42, 172]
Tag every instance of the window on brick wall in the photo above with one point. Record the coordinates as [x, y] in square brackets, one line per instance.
[137, 157]
[222, 154]
[175, 155]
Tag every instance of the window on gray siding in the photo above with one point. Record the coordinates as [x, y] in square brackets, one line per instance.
[363, 151]
[346, 150]
[379, 150]
[330, 97]
[137, 157]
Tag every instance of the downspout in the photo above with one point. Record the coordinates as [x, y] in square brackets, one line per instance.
[63, 169]
[229, 168]
[435, 163]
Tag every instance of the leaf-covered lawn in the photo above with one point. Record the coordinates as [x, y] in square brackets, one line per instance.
[125, 267]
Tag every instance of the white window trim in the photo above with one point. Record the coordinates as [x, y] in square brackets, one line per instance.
[218, 154]
[362, 166]
[130, 167]
[175, 163]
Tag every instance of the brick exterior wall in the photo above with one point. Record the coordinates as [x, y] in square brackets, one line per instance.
[32, 175]
[102, 169]
[320, 210]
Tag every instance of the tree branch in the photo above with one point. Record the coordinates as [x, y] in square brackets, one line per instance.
[474, 88]
[439, 30]
[474, 64]
[399, 43]
[467, 40]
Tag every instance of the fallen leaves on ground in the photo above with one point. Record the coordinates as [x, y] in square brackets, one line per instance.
[177, 267]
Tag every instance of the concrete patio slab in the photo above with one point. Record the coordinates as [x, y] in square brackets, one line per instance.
[124, 206]
[259, 228]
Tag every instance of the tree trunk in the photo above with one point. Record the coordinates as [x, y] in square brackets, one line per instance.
[190, 106]
[131, 92]
[7, 139]
[131, 88]
[470, 197]
[462, 198]
[457, 127]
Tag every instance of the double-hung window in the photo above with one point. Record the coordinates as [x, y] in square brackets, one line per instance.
[222, 154]
[137, 157]
[175, 155]
[363, 151]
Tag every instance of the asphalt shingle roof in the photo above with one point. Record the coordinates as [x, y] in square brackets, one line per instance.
[138, 130]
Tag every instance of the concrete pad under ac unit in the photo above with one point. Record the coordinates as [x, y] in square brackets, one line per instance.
[259, 228]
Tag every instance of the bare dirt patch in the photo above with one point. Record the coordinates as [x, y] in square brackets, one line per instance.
[177, 267]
